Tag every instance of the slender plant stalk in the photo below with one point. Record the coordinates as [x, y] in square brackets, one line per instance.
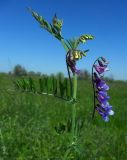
[73, 133]
[67, 49]
[64, 45]
[73, 106]
[74, 75]
[69, 75]
[74, 86]
[73, 121]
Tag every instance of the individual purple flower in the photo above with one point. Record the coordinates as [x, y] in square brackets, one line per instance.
[103, 114]
[104, 60]
[109, 111]
[101, 69]
[105, 118]
[72, 63]
[105, 111]
[102, 93]
[101, 64]
[101, 85]
[74, 69]
[107, 108]
[103, 100]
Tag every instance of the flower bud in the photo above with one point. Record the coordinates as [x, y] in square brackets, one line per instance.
[104, 60]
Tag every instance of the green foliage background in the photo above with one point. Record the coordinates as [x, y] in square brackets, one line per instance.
[28, 120]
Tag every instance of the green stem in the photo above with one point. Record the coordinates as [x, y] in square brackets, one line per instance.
[73, 134]
[73, 122]
[71, 87]
[73, 106]
[64, 45]
[74, 86]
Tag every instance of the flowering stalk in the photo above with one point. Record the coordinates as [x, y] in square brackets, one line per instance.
[72, 55]
[100, 88]
[94, 91]
[75, 86]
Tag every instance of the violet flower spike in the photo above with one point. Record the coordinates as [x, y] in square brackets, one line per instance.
[100, 90]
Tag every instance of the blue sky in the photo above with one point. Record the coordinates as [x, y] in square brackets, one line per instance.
[23, 42]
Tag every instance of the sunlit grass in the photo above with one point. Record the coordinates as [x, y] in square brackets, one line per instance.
[27, 125]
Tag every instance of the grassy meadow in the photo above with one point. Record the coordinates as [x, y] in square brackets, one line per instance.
[28, 121]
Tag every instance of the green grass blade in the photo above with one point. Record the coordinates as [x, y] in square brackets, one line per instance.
[49, 84]
[55, 86]
[32, 85]
[41, 85]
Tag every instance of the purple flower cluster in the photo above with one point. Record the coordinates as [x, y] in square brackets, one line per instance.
[72, 62]
[100, 88]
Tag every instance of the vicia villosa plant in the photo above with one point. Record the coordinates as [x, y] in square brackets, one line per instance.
[68, 88]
